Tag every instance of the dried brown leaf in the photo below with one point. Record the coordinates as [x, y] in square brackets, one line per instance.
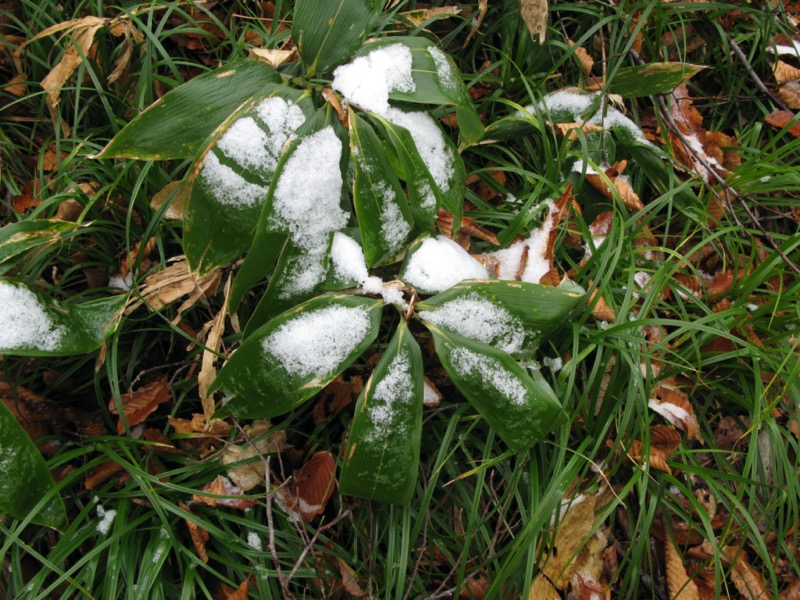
[418, 17]
[273, 57]
[587, 62]
[140, 404]
[17, 85]
[784, 72]
[335, 397]
[475, 587]
[308, 493]
[210, 353]
[534, 14]
[573, 530]
[679, 585]
[101, 473]
[782, 118]
[349, 579]
[176, 281]
[600, 308]
[251, 472]
[233, 496]
[175, 211]
[746, 579]
[790, 94]
[198, 534]
[664, 438]
[228, 593]
[673, 404]
[542, 589]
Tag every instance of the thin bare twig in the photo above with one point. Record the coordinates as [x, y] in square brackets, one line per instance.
[753, 75]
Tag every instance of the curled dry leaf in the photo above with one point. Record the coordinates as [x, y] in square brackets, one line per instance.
[679, 585]
[222, 486]
[573, 530]
[176, 281]
[349, 579]
[600, 308]
[101, 473]
[139, 405]
[175, 211]
[431, 395]
[782, 118]
[199, 535]
[251, 470]
[308, 493]
[570, 130]
[240, 593]
[587, 62]
[656, 459]
[475, 587]
[784, 72]
[542, 589]
[790, 94]
[273, 57]
[673, 404]
[335, 397]
[534, 14]
[746, 579]
[620, 184]
[418, 17]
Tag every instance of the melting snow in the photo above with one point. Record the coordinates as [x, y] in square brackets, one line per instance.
[227, 186]
[24, 322]
[490, 372]
[254, 541]
[306, 204]
[316, 343]
[368, 80]
[477, 318]
[106, 519]
[348, 259]
[439, 263]
[444, 70]
[396, 387]
[537, 264]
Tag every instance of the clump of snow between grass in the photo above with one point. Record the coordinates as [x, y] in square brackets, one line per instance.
[24, 322]
[439, 263]
[106, 519]
[317, 342]
[477, 318]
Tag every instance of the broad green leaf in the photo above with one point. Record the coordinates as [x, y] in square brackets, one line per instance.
[294, 266]
[327, 33]
[32, 325]
[511, 315]
[303, 204]
[177, 125]
[296, 354]
[384, 217]
[24, 477]
[347, 267]
[231, 179]
[511, 127]
[521, 408]
[381, 459]
[424, 195]
[437, 80]
[16, 238]
[650, 79]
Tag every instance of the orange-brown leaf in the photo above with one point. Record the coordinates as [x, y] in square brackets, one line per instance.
[784, 72]
[309, 492]
[782, 118]
[335, 397]
[222, 486]
[101, 473]
[140, 404]
[746, 579]
[679, 585]
[199, 536]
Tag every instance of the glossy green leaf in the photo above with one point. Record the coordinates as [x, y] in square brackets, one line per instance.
[521, 408]
[16, 238]
[296, 354]
[437, 80]
[231, 179]
[24, 477]
[382, 454]
[384, 217]
[306, 234]
[424, 195]
[510, 127]
[293, 264]
[327, 33]
[178, 124]
[650, 79]
[32, 325]
[511, 315]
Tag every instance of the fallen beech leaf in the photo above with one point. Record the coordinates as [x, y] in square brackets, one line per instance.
[679, 585]
[210, 353]
[176, 281]
[534, 14]
[486, 191]
[587, 62]
[175, 211]
[782, 118]
[222, 486]
[570, 130]
[349, 579]
[140, 404]
[542, 589]
[790, 94]
[418, 17]
[228, 593]
[199, 426]
[721, 283]
[621, 185]
[308, 493]
[674, 406]
[335, 397]
[101, 473]
[273, 57]
[253, 472]
[664, 438]
[785, 72]
[16, 86]
[483, 6]
[431, 395]
[572, 531]
[746, 579]
[475, 587]
[656, 459]
[199, 536]
[600, 308]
